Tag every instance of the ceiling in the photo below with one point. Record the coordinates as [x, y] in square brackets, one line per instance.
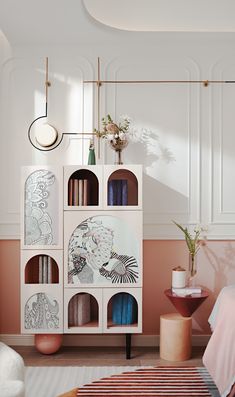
[165, 15]
[82, 21]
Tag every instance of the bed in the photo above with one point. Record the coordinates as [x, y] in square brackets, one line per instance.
[219, 356]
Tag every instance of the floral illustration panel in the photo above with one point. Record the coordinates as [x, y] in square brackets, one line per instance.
[41, 312]
[103, 249]
[41, 208]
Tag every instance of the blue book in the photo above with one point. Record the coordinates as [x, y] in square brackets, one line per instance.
[129, 310]
[111, 192]
[124, 192]
[117, 309]
[119, 191]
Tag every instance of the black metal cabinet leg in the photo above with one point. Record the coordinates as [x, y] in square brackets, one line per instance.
[128, 346]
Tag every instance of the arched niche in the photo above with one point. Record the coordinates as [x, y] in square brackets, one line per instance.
[83, 188]
[122, 188]
[83, 311]
[41, 269]
[122, 310]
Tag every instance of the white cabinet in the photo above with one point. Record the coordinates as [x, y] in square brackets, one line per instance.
[81, 258]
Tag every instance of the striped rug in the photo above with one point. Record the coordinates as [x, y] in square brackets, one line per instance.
[149, 382]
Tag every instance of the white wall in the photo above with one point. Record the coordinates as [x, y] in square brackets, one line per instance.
[186, 134]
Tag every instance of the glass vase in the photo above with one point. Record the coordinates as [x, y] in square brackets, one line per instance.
[192, 270]
[118, 145]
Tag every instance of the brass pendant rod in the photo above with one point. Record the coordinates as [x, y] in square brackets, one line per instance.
[47, 84]
[98, 82]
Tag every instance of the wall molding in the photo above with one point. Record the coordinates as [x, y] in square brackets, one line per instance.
[100, 340]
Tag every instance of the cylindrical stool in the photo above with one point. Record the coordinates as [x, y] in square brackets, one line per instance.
[175, 337]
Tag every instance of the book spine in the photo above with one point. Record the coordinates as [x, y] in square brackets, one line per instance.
[84, 311]
[40, 280]
[75, 191]
[119, 192]
[49, 268]
[70, 192]
[70, 313]
[80, 192]
[117, 309]
[111, 192]
[124, 192]
[85, 192]
[44, 270]
[75, 310]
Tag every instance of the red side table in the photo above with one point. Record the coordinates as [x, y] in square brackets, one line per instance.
[186, 305]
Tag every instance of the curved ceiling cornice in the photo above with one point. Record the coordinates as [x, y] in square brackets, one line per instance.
[165, 15]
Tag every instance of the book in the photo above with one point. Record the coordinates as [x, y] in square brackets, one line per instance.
[75, 191]
[84, 309]
[70, 192]
[44, 269]
[80, 192]
[49, 270]
[40, 280]
[111, 192]
[85, 192]
[124, 192]
[117, 309]
[118, 200]
[187, 291]
[128, 310]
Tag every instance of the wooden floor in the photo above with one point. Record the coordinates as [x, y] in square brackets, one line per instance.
[102, 356]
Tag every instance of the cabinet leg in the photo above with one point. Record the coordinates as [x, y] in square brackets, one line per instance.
[128, 346]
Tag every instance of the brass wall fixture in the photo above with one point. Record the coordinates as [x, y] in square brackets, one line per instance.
[44, 136]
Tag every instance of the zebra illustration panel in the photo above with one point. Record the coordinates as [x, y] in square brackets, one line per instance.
[41, 208]
[103, 249]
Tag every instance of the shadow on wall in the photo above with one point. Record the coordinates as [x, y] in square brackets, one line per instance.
[222, 265]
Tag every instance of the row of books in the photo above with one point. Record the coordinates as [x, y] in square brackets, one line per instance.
[117, 192]
[79, 310]
[187, 291]
[78, 192]
[124, 309]
[45, 269]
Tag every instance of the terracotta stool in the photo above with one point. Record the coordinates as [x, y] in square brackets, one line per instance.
[175, 337]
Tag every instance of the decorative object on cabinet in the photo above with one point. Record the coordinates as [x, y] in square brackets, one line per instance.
[91, 155]
[116, 134]
[101, 244]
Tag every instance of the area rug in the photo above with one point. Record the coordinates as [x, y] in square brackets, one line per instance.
[148, 382]
[53, 381]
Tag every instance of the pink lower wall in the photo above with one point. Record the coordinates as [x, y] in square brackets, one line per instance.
[216, 268]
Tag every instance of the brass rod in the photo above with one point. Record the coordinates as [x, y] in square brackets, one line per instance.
[98, 102]
[79, 133]
[157, 81]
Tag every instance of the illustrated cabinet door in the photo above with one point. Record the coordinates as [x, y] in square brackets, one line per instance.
[42, 250]
[103, 249]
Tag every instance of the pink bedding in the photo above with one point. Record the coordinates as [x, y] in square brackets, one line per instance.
[219, 356]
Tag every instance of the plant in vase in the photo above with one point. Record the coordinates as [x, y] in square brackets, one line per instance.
[115, 133]
[193, 243]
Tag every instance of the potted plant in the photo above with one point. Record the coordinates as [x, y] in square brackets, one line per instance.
[193, 242]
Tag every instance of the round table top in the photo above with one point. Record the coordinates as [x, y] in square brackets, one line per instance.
[186, 305]
[203, 294]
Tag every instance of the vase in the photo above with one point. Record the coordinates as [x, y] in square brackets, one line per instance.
[118, 145]
[192, 270]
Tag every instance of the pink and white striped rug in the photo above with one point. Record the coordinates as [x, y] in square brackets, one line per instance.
[149, 382]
